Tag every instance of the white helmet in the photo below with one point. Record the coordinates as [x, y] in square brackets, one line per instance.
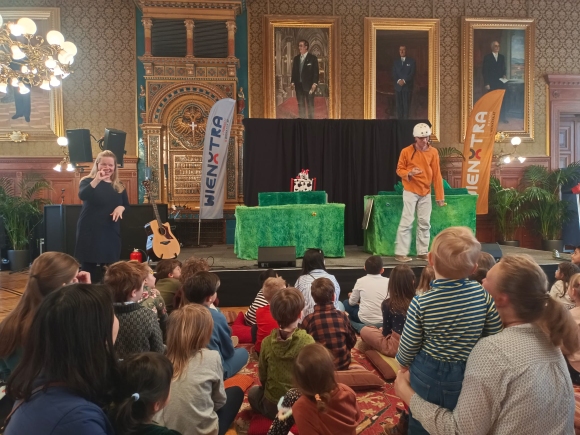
[421, 130]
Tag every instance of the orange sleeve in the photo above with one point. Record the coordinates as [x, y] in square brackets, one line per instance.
[402, 170]
[437, 178]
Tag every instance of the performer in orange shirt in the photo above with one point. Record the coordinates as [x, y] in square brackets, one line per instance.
[418, 168]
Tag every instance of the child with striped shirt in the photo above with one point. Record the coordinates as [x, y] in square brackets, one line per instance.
[444, 324]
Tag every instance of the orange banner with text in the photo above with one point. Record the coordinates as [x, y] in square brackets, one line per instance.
[478, 147]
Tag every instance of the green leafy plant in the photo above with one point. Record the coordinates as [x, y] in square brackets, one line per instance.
[447, 153]
[507, 205]
[21, 208]
[542, 192]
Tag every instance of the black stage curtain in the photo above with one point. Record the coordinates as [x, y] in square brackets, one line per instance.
[349, 159]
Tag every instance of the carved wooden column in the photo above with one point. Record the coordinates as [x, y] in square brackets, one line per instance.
[231, 25]
[189, 25]
[152, 139]
[147, 23]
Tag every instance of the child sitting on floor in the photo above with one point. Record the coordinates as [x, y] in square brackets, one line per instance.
[139, 330]
[573, 360]
[264, 321]
[142, 391]
[559, 290]
[153, 301]
[427, 275]
[189, 268]
[167, 273]
[444, 324]
[401, 293]
[244, 326]
[329, 326]
[364, 302]
[279, 350]
[199, 404]
[326, 407]
[202, 288]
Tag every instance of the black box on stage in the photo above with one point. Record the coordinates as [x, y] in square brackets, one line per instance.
[493, 249]
[79, 145]
[115, 142]
[60, 223]
[270, 257]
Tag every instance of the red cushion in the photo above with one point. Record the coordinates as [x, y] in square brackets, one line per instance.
[259, 425]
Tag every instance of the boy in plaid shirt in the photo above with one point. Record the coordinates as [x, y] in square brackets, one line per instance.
[329, 326]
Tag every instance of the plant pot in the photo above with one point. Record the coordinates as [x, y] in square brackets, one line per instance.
[550, 245]
[19, 259]
[514, 243]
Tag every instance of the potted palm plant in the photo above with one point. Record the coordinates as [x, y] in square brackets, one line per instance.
[543, 195]
[21, 211]
[508, 211]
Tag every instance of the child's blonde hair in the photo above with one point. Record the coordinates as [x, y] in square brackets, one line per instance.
[188, 331]
[574, 282]
[314, 374]
[455, 252]
[271, 286]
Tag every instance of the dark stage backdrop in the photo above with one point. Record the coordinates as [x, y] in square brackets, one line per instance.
[348, 158]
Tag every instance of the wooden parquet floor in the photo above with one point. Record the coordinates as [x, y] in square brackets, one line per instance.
[11, 288]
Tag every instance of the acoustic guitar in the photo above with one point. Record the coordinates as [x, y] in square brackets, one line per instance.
[161, 243]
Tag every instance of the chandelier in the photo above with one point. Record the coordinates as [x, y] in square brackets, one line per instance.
[27, 59]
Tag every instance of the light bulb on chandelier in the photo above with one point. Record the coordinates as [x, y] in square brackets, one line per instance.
[39, 60]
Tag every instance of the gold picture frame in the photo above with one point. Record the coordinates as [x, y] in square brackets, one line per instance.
[383, 38]
[516, 40]
[281, 36]
[46, 118]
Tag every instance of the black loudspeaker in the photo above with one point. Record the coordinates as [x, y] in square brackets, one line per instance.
[79, 145]
[493, 249]
[115, 142]
[270, 257]
[60, 223]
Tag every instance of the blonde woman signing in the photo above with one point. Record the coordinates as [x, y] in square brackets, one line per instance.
[99, 228]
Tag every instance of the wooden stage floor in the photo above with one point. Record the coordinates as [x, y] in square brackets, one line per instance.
[240, 277]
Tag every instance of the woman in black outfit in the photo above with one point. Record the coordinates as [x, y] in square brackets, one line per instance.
[99, 229]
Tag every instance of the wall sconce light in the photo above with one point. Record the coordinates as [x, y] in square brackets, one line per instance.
[65, 163]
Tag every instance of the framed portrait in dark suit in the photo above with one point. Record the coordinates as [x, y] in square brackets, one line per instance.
[402, 69]
[499, 54]
[301, 67]
[38, 113]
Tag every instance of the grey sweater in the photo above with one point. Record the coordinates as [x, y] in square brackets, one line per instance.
[139, 330]
[516, 382]
[196, 396]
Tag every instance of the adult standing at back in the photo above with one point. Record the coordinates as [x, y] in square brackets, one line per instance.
[513, 377]
[403, 75]
[418, 168]
[305, 79]
[99, 227]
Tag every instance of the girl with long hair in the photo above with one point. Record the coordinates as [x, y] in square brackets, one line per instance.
[142, 391]
[325, 407]
[104, 199]
[559, 290]
[68, 365]
[427, 275]
[48, 272]
[312, 268]
[199, 404]
[394, 307]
